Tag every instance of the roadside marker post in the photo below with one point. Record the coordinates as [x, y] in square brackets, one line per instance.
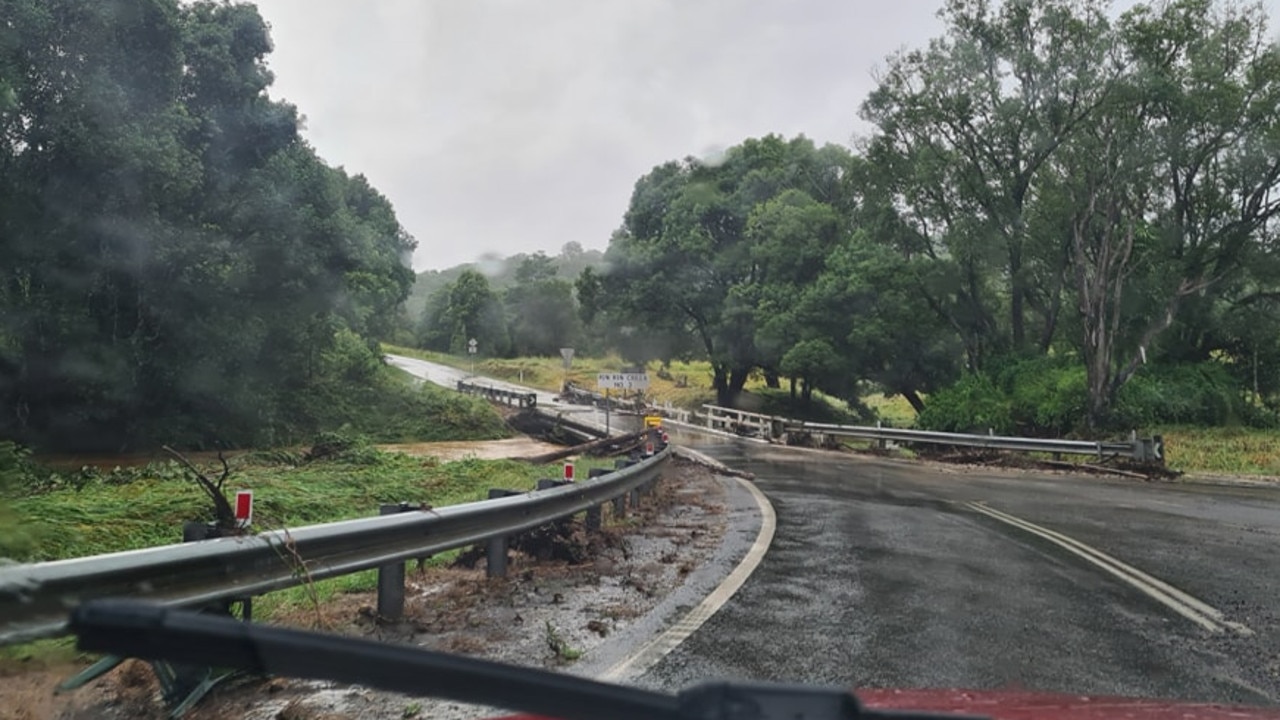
[568, 472]
[244, 508]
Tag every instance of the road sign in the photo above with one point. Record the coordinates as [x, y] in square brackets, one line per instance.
[567, 354]
[471, 346]
[622, 381]
[244, 508]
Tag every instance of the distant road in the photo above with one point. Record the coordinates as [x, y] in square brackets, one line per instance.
[450, 376]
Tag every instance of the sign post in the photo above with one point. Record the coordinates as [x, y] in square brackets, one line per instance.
[619, 381]
[567, 355]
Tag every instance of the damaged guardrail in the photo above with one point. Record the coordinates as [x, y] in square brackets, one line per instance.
[773, 428]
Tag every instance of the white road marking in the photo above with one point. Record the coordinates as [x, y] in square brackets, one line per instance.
[1184, 604]
[656, 649]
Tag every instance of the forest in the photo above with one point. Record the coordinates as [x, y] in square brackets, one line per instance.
[178, 264]
[1060, 222]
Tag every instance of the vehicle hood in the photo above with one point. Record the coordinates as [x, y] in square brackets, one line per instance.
[1027, 705]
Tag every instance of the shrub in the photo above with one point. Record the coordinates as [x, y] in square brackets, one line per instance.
[972, 404]
[1189, 394]
[1048, 396]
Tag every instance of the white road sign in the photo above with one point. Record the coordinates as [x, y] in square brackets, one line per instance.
[622, 381]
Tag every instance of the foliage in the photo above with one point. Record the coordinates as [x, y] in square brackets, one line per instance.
[973, 404]
[180, 267]
[394, 408]
[500, 272]
[1199, 394]
[16, 473]
[535, 315]
[1048, 396]
[142, 507]
[1091, 194]
[712, 251]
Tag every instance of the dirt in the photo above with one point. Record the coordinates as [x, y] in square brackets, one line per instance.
[551, 614]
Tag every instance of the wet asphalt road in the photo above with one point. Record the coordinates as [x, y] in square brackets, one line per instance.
[879, 576]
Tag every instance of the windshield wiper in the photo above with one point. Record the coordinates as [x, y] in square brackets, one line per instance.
[154, 632]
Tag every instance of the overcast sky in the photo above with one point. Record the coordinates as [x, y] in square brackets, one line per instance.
[518, 125]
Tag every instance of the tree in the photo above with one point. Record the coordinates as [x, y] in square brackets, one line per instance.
[686, 262]
[179, 263]
[542, 317]
[1172, 182]
[964, 130]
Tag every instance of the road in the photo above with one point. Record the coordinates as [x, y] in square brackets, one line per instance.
[889, 574]
[882, 575]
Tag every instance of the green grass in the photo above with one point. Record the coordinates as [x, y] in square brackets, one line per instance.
[894, 411]
[133, 508]
[144, 507]
[394, 407]
[1222, 450]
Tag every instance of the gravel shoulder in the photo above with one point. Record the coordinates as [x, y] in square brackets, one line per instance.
[642, 572]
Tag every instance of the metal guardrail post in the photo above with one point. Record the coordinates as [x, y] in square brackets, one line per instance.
[595, 514]
[496, 557]
[391, 576]
[496, 547]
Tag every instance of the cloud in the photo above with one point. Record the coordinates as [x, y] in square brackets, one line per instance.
[513, 126]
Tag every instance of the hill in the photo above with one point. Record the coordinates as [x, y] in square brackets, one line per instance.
[501, 273]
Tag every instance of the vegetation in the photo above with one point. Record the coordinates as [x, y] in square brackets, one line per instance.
[1062, 222]
[179, 265]
[500, 272]
[93, 511]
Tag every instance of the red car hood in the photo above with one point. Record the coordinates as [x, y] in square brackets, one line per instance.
[1025, 705]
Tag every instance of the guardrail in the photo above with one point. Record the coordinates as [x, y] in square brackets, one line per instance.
[522, 399]
[35, 599]
[774, 428]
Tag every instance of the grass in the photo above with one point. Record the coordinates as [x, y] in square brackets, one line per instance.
[130, 508]
[142, 507]
[893, 411]
[394, 407]
[1222, 450]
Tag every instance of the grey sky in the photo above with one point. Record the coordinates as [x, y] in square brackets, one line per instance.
[515, 126]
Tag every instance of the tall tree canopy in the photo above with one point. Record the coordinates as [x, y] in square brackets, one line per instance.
[178, 263]
[1045, 180]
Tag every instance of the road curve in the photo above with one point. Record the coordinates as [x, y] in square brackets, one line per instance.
[893, 575]
[887, 574]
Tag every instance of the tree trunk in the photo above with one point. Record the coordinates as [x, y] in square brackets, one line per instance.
[771, 379]
[720, 381]
[1102, 243]
[916, 403]
[793, 389]
[737, 380]
[1017, 296]
[807, 396]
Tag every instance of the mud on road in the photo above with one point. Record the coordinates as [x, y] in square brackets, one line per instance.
[550, 614]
